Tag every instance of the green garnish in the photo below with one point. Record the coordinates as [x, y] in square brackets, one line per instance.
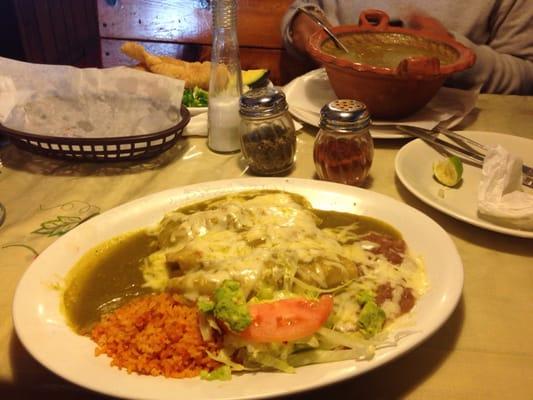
[205, 305]
[229, 305]
[196, 97]
[222, 373]
[371, 317]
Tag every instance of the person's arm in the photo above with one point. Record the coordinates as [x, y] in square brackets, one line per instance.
[495, 72]
[296, 27]
[505, 63]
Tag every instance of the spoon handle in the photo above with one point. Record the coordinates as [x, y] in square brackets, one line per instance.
[337, 42]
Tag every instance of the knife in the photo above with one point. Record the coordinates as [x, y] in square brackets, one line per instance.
[430, 137]
[473, 156]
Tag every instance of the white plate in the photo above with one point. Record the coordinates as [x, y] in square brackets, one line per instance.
[41, 327]
[308, 93]
[414, 169]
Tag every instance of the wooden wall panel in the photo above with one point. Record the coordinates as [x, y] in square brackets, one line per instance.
[189, 21]
[251, 58]
[182, 29]
[46, 31]
[58, 31]
[29, 31]
[59, 27]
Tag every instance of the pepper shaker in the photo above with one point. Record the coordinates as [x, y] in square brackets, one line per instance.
[343, 149]
[268, 138]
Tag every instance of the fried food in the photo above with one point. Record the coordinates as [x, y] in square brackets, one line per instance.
[195, 74]
[137, 52]
[140, 67]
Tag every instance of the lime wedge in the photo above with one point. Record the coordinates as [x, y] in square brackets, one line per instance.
[448, 171]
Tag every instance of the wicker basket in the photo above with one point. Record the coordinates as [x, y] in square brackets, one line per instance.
[123, 148]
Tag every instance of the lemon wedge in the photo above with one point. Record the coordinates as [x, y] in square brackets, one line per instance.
[448, 171]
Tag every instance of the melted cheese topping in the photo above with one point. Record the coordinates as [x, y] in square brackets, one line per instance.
[274, 240]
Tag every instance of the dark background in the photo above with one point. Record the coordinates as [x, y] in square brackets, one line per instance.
[50, 31]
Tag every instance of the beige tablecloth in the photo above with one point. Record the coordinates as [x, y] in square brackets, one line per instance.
[484, 351]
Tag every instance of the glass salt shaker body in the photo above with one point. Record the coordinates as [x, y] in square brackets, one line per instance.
[225, 83]
[268, 138]
[343, 149]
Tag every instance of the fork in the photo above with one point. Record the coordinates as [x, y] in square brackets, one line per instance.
[526, 169]
[475, 156]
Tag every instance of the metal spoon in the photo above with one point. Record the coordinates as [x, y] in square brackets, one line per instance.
[337, 42]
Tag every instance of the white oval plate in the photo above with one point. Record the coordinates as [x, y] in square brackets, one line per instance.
[41, 327]
[414, 169]
[307, 94]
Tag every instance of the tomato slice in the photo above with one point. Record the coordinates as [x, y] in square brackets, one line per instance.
[286, 320]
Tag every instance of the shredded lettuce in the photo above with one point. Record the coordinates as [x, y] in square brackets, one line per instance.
[207, 325]
[205, 305]
[364, 296]
[196, 97]
[270, 361]
[223, 357]
[222, 373]
[324, 356]
[265, 293]
[333, 339]
[371, 318]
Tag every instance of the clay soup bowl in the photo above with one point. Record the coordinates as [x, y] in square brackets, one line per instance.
[394, 71]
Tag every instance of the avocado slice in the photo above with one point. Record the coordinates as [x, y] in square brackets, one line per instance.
[255, 78]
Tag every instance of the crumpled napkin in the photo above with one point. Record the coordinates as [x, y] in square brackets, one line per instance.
[501, 197]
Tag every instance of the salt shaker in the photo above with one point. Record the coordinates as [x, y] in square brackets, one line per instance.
[343, 149]
[268, 138]
[225, 83]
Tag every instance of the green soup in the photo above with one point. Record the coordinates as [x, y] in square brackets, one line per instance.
[388, 50]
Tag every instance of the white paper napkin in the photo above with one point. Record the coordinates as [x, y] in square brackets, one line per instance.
[65, 101]
[307, 94]
[198, 126]
[500, 194]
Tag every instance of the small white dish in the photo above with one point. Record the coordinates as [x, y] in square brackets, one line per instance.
[42, 329]
[414, 169]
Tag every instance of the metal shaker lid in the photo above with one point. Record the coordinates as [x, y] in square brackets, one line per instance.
[344, 115]
[263, 102]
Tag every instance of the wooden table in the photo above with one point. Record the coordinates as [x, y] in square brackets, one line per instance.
[484, 351]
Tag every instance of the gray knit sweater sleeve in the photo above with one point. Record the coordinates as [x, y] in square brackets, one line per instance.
[504, 64]
[499, 31]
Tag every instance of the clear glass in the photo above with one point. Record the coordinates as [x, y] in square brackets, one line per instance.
[268, 144]
[225, 84]
[343, 157]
